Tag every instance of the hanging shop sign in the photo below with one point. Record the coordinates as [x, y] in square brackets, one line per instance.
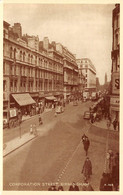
[115, 83]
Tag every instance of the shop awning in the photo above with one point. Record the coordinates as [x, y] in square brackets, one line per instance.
[51, 98]
[23, 99]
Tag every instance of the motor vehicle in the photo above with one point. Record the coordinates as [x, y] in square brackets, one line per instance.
[59, 109]
[87, 115]
[11, 118]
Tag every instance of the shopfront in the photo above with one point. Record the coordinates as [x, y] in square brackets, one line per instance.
[114, 107]
[25, 103]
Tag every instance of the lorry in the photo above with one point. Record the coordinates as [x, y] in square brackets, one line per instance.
[11, 118]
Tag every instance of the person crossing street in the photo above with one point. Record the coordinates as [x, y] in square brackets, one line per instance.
[86, 143]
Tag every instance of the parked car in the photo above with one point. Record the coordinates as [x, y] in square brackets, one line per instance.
[87, 115]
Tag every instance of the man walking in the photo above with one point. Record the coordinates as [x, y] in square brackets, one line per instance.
[87, 168]
[86, 144]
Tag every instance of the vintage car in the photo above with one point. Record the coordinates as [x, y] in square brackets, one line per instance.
[87, 115]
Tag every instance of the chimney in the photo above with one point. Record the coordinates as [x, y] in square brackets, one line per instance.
[17, 29]
[46, 43]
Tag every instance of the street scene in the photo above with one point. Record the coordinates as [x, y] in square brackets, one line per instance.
[61, 104]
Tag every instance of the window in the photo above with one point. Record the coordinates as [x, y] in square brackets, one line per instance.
[4, 86]
[4, 68]
[14, 70]
[28, 58]
[20, 55]
[24, 56]
[15, 86]
[31, 58]
[11, 85]
[36, 60]
[11, 53]
[14, 53]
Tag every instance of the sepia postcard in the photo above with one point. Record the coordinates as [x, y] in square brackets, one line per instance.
[61, 111]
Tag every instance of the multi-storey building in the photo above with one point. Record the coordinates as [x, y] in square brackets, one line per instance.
[88, 70]
[70, 73]
[29, 75]
[115, 72]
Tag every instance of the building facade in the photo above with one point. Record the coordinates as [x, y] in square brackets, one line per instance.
[88, 70]
[115, 72]
[70, 73]
[36, 74]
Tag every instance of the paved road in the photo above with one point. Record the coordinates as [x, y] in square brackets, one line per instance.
[57, 154]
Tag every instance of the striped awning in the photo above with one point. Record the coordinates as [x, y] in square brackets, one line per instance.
[23, 99]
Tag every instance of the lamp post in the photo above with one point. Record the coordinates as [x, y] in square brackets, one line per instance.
[20, 128]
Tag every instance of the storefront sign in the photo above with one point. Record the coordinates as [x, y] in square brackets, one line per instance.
[115, 101]
[115, 83]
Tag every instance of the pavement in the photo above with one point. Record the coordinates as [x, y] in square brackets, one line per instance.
[103, 124]
[16, 143]
[13, 144]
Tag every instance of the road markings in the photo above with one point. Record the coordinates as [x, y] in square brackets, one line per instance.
[70, 159]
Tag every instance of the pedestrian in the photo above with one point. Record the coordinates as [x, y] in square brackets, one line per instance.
[108, 124]
[87, 168]
[34, 129]
[103, 182]
[55, 114]
[86, 186]
[73, 187]
[86, 144]
[60, 188]
[31, 129]
[52, 188]
[115, 123]
[84, 137]
[92, 118]
[40, 120]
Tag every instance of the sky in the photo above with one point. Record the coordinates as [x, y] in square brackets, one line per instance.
[85, 29]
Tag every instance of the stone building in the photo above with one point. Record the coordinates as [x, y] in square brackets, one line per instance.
[30, 76]
[70, 73]
[89, 72]
[115, 72]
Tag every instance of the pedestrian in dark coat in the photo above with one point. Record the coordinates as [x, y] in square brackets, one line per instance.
[86, 144]
[115, 124]
[73, 187]
[103, 182]
[52, 188]
[87, 168]
[84, 137]
[60, 188]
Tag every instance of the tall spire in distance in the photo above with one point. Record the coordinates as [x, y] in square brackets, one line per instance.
[105, 78]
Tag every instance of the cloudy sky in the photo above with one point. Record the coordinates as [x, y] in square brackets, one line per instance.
[85, 29]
